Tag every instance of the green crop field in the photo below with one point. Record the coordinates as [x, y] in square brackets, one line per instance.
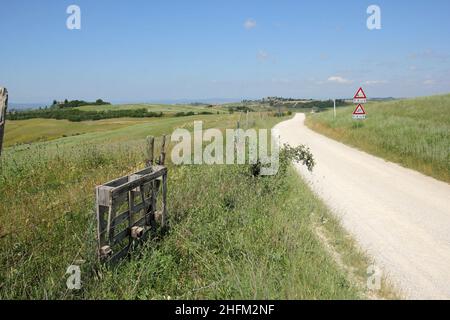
[33, 130]
[232, 235]
[414, 133]
[166, 108]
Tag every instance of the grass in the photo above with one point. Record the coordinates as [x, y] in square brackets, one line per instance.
[166, 108]
[33, 130]
[414, 133]
[42, 130]
[232, 235]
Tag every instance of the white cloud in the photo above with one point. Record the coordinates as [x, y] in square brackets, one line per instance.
[249, 24]
[429, 82]
[338, 79]
[281, 80]
[374, 82]
[262, 55]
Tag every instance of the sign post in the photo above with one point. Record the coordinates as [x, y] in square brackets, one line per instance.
[334, 106]
[359, 99]
[3, 107]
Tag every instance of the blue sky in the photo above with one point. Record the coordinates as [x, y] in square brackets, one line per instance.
[140, 51]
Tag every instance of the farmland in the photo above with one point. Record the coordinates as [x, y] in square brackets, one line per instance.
[34, 130]
[232, 235]
[165, 108]
[414, 133]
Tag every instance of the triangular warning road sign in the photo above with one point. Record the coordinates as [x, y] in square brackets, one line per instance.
[359, 110]
[360, 94]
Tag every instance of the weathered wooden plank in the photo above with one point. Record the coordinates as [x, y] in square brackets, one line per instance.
[110, 222]
[136, 183]
[101, 225]
[143, 188]
[149, 170]
[126, 214]
[119, 255]
[164, 201]
[115, 183]
[103, 195]
[3, 107]
[153, 199]
[120, 236]
[126, 232]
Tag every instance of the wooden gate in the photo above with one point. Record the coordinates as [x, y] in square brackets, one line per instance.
[130, 208]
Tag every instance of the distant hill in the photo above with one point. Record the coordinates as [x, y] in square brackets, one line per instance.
[25, 106]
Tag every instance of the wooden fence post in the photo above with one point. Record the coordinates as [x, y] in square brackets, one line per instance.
[3, 107]
[162, 158]
[164, 201]
[150, 151]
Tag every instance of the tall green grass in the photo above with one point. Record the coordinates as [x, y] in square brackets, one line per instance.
[232, 235]
[414, 133]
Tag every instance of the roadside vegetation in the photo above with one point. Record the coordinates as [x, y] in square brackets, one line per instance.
[232, 235]
[414, 133]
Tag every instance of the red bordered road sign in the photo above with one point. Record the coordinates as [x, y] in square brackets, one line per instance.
[359, 112]
[360, 96]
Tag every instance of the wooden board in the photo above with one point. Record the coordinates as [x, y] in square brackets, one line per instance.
[3, 107]
[129, 203]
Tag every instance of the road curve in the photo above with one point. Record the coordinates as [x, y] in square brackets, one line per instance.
[400, 217]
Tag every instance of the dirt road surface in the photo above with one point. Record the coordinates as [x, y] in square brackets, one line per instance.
[400, 217]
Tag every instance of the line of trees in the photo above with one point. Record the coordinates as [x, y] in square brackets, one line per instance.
[77, 103]
[191, 113]
[313, 104]
[77, 115]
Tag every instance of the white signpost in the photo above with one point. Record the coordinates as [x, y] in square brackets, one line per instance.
[334, 107]
[359, 99]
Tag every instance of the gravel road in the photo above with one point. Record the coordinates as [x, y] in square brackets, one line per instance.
[400, 217]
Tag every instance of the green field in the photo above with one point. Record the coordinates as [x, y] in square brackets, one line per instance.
[34, 130]
[232, 235]
[165, 108]
[414, 133]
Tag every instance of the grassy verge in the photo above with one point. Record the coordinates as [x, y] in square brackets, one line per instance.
[232, 235]
[414, 133]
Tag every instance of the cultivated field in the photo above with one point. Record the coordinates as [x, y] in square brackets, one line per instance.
[166, 108]
[232, 235]
[414, 133]
[34, 130]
